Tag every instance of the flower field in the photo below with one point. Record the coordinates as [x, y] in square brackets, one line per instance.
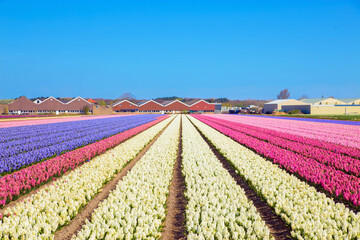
[242, 177]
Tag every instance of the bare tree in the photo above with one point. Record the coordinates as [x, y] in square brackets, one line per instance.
[304, 96]
[284, 94]
[127, 96]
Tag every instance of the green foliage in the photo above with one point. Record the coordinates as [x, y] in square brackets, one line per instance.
[295, 111]
[102, 103]
[86, 109]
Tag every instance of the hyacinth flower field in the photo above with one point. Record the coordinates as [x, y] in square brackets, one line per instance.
[197, 176]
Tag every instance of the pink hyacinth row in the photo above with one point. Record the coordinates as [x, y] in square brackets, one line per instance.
[16, 183]
[347, 135]
[354, 152]
[337, 160]
[330, 179]
[24, 122]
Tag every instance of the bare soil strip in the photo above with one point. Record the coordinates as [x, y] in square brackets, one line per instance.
[175, 222]
[36, 189]
[336, 199]
[278, 227]
[75, 224]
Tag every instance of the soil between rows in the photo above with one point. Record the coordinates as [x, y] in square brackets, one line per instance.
[277, 226]
[75, 224]
[336, 199]
[175, 222]
[48, 183]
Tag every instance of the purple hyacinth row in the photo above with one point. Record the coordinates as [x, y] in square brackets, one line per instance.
[23, 146]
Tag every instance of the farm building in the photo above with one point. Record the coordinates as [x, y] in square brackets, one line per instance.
[53, 105]
[350, 101]
[289, 104]
[50, 105]
[125, 106]
[175, 106]
[316, 106]
[322, 101]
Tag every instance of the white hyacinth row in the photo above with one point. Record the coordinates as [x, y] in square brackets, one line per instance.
[217, 207]
[310, 214]
[40, 215]
[136, 208]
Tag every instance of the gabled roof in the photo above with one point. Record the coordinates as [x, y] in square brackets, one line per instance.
[349, 100]
[65, 100]
[279, 101]
[125, 100]
[174, 101]
[166, 102]
[192, 101]
[313, 100]
[201, 100]
[51, 97]
[150, 101]
[91, 100]
[78, 98]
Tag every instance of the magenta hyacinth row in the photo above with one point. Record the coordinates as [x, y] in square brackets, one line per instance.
[21, 181]
[353, 152]
[337, 160]
[346, 135]
[330, 179]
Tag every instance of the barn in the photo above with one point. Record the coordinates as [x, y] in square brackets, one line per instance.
[176, 107]
[151, 106]
[202, 106]
[125, 106]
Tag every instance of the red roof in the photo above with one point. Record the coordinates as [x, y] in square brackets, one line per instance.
[91, 100]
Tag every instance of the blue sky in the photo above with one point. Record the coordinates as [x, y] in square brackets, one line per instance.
[236, 49]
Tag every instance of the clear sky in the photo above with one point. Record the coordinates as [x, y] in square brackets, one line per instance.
[235, 49]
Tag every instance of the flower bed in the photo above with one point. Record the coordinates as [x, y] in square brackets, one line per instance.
[40, 215]
[335, 133]
[217, 206]
[337, 160]
[136, 208]
[333, 181]
[24, 146]
[309, 213]
[22, 181]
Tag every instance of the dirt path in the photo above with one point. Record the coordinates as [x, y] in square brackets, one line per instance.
[36, 189]
[175, 222]
[276, 224]
[75, 224]
[318, 188]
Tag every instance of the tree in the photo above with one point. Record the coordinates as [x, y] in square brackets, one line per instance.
[86, 109]
[127, 96]
[102, 103]
[304, 96]
[284, 94]
[6, 110]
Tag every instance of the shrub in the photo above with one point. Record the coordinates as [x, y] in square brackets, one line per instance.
[295, 111]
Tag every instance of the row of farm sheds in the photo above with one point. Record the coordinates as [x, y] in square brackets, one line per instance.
[167, 106]
[78, 105]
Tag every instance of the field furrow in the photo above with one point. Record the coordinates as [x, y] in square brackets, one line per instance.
[217, 208]
[309, 213]
[52, 207]
[136, 208]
